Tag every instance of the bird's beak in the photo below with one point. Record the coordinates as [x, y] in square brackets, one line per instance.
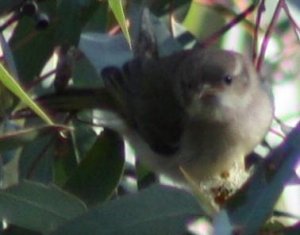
[207, 90]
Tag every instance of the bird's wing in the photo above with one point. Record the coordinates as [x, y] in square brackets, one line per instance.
[152, 102]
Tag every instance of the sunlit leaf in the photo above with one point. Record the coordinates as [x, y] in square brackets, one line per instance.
[15, 88]
[117, 8]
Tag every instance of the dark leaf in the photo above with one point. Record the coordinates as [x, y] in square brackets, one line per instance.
[99, 172]
[158, 210]
[37, 157]
[38, 207]
[26, 40]
[8, 5]
[71, 149]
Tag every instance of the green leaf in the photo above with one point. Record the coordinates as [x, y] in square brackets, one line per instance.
[158, 210]
[163, 7]
[38, 207]
[196, 21]
[67, 18]
[117, 8]
[72, 16]
[114, 50]
[19, 138]
[85, 74]
[9, 82]
[100, 171]
[36, 159]
[72, 149]
[6, 5]
[26, 39]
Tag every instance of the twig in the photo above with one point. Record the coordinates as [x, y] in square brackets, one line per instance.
[260, 11]
[40, 79]
[212, 38]
[291, 19]
[266, 38]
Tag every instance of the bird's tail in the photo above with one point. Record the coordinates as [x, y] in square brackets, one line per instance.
[73, 100]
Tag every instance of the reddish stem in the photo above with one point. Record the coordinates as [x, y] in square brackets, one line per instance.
[40, 79]
[260, 11]
[293, 22]
[212, 38]
[266, 38]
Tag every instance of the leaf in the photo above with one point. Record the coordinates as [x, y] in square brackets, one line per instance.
[197, 18]
[72, 16]
[38, 207]
[158, 210]
[36, 158]
[114, 50]
[85, 74]
[99, 172]
[117, 8]
[8, 57]
[253, 204]
[67, 18]
[26, 39]
[19, 138]
[71, 149]
[9, 82]
[163, 7]
[6, 5]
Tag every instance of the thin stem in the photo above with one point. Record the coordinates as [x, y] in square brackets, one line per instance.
[11, 20]
[293, 22]
[266, 38]
[260, 11]
[40, 79]
[212, 38]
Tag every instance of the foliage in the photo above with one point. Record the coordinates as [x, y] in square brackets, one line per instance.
[66, 178]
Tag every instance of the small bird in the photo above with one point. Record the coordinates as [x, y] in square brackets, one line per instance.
[200, 110]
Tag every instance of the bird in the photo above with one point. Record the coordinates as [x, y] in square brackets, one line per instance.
[201, 110]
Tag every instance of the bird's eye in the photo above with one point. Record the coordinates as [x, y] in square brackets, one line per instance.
[228, 79]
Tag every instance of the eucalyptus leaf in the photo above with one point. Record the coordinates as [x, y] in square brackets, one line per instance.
[158, 210]
[38, 207]
[112, 50]
[100, 171]
[117, 8]
[7, 5]
[36, 158]
[9, 82]
[72, 148]
[162, 7]
[72, 16]
[26, 39]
